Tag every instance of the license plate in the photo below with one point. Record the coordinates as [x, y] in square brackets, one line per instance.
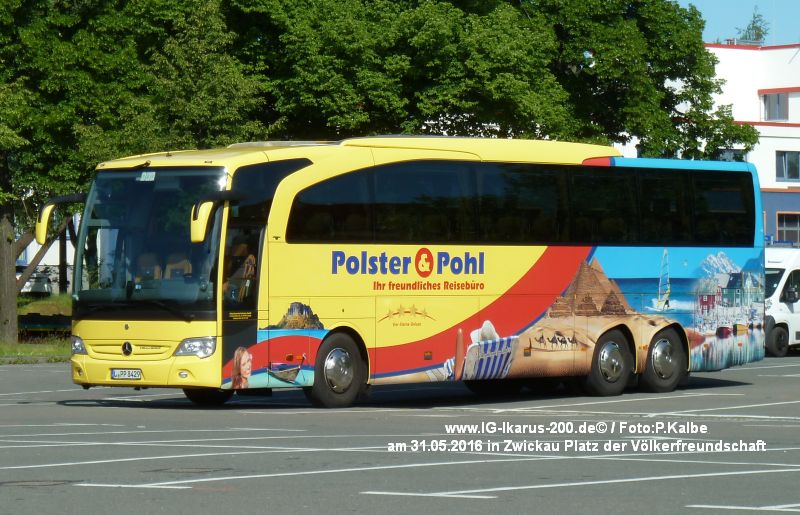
[126, 373]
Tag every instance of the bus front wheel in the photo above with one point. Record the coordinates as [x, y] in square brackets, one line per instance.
[339, 373]
[207, 396]
[611, 365]
[666, 363]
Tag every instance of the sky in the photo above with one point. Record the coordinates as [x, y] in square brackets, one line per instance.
[723, 17]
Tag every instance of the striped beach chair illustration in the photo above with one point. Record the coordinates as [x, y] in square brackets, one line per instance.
[490, 359]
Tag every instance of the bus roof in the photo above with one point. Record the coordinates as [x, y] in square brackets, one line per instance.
[488, 149]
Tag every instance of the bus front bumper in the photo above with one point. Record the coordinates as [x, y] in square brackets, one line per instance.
[174, 372]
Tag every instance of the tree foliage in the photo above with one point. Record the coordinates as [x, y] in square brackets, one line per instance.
[756, 30]
[82, 81]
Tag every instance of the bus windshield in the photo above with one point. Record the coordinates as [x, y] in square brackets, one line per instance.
[134, 249]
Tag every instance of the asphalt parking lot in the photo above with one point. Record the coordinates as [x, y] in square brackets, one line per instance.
[727, 442]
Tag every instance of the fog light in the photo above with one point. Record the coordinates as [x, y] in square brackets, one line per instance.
[183, 374]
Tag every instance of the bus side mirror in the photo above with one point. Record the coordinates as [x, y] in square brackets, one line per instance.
[204, 208]
[43, 220]
[791, 296]
[201, 213]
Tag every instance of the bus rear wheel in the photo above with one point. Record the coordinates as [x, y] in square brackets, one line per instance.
[611, 365]
[207, 396]
[666, 363]
[339, 373]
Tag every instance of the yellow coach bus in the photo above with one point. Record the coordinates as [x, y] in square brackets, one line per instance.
[332, 266]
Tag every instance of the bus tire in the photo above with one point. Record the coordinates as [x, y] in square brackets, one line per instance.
[666, 363]
[339, 373]
[207, 396]
[611, 365]
[778, 341]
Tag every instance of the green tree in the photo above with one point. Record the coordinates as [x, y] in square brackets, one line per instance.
[83, 81]
[640, 69]
[756, 30]
[346, 67]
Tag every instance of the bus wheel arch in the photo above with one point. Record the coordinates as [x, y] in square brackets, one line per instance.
[612, 363]
[340, 371]
[667, 361]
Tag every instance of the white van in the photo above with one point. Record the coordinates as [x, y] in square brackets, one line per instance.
[782, 299]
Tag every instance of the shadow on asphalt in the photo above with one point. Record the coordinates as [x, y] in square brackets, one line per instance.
[410, 396]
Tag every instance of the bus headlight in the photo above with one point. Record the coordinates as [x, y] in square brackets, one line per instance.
[768, 304]
[201, 347]
[77, 345]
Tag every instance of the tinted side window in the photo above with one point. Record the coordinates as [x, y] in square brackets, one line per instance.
[425, 201]
[338, 209]
[259, 182]
[724, 208]
[664, 208]
[521, 203]
[603, 206]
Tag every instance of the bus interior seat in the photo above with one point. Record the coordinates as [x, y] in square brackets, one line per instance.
[147, 267]
[178, 266]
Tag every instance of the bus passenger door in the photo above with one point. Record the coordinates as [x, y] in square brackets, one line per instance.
[240, 284]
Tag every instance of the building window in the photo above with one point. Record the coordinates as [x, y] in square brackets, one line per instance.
[776, 106]
[787, 166]
[789, 227]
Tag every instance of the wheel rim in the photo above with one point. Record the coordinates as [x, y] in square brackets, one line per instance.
[663, 359]
[611, 362]
[339, 370]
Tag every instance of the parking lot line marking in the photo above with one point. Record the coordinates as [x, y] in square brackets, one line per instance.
[328, 471]
[598, 482]
[272, 450]
[327, 412]
[151, 431]
[739, 369]
[206, 442]
[432, 495]
[683, 412]
[135, 486]
[60, 424]
[33, 393]
[746, 508]
[612, 401]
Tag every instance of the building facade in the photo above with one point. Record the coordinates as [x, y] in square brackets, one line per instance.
[762, 84]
